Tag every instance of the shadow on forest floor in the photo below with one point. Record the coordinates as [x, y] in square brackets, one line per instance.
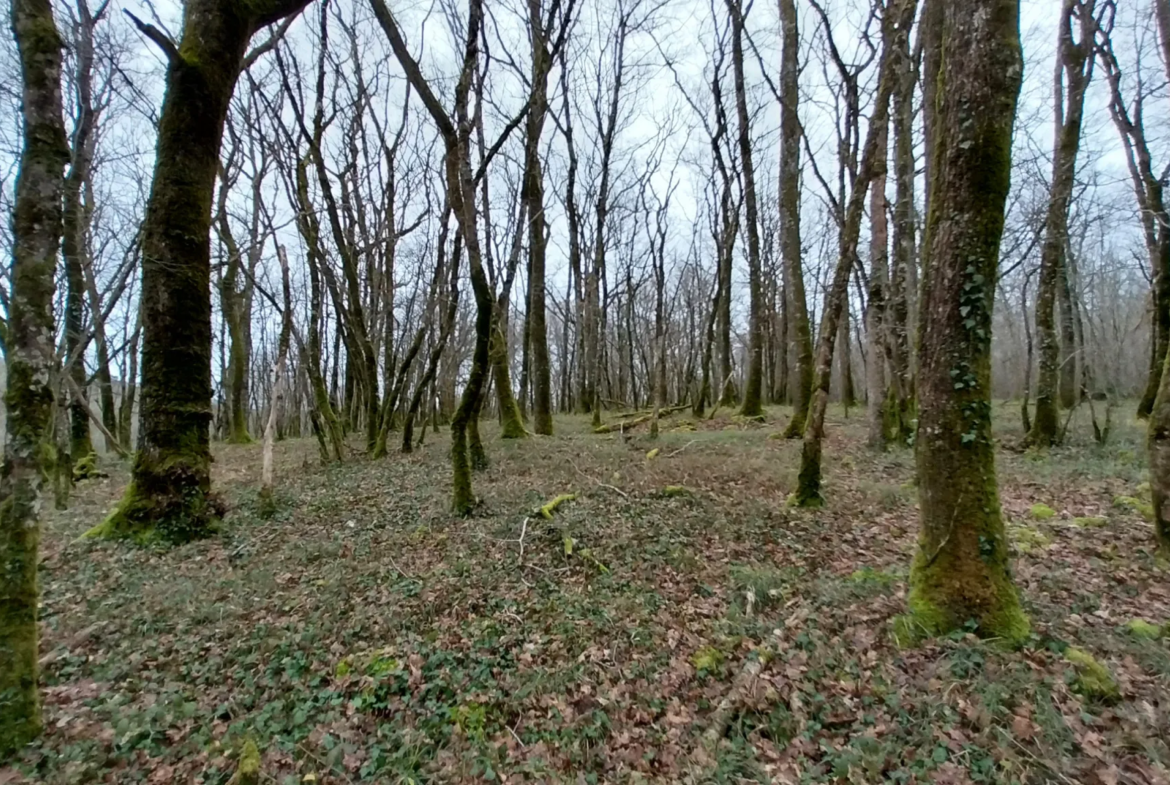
[674, 622]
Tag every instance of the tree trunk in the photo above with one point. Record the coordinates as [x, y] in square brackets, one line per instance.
[537, 332]
[808, 490]
[169, 496]
[753, 404]
[28, 448]
[875, 314]
[961, 572]
[799, 327]
[1074, 67]
[267, 476]
[903, 280]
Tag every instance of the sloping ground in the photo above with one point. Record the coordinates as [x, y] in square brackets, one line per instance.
[674, 622]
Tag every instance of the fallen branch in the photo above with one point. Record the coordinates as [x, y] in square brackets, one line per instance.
[550, 507]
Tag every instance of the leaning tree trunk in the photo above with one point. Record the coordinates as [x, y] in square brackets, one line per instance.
[169, 496]
[961, 572]
[808, 489]
[799, 328]
[28, 446]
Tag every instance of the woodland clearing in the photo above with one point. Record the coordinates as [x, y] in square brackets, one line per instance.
[675, 621]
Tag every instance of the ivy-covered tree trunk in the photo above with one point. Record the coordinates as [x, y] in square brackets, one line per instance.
[28, 446]
[1074, 68]
[799, 327]
[961, 573]
[169, 496]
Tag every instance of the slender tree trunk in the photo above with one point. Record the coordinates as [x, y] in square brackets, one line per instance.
[1074, 67]
[903, 280]
[808, 491]
[130, 386]
[875, 314]
[537, 331]
[961, 571]
[267, 475]
[28, 447]
[753, 405]
[799, 327]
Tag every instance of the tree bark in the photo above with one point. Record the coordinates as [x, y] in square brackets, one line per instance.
[753, 404]
[961, 572]
[808, 490]
[28, 446]
[875, 313]
[1074, 67]
[799, 327]
[169, 496]
[537, 332]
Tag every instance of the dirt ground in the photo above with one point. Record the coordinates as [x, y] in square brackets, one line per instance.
[676, 621]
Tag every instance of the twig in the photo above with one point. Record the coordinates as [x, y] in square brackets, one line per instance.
[401, 571]
[523, 531]
[680, 449]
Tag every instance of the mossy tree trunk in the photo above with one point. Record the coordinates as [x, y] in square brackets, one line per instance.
[170, 490]
[1069, 358]
[28, 446]
[753, 403]
[808, 490]
[456, 131]
[961, 573]
[902, 278]
[875, 312]
[799, 327]
[1159, 452]
[1073, 72]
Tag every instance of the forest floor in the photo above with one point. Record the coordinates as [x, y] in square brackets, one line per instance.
[699, 633]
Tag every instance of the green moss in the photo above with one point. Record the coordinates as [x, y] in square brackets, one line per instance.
[166, 501]
[675, 491]
[86, 468]
[992, 613]
[808, 483]
[1042, 512]
[653, 454]
[1090, 678]
[248, 769]
[1143, 508]
[1140, 628]
[1090, 522]
[707, 659]
[868, 575]
[549, 507]
[1026, 539]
